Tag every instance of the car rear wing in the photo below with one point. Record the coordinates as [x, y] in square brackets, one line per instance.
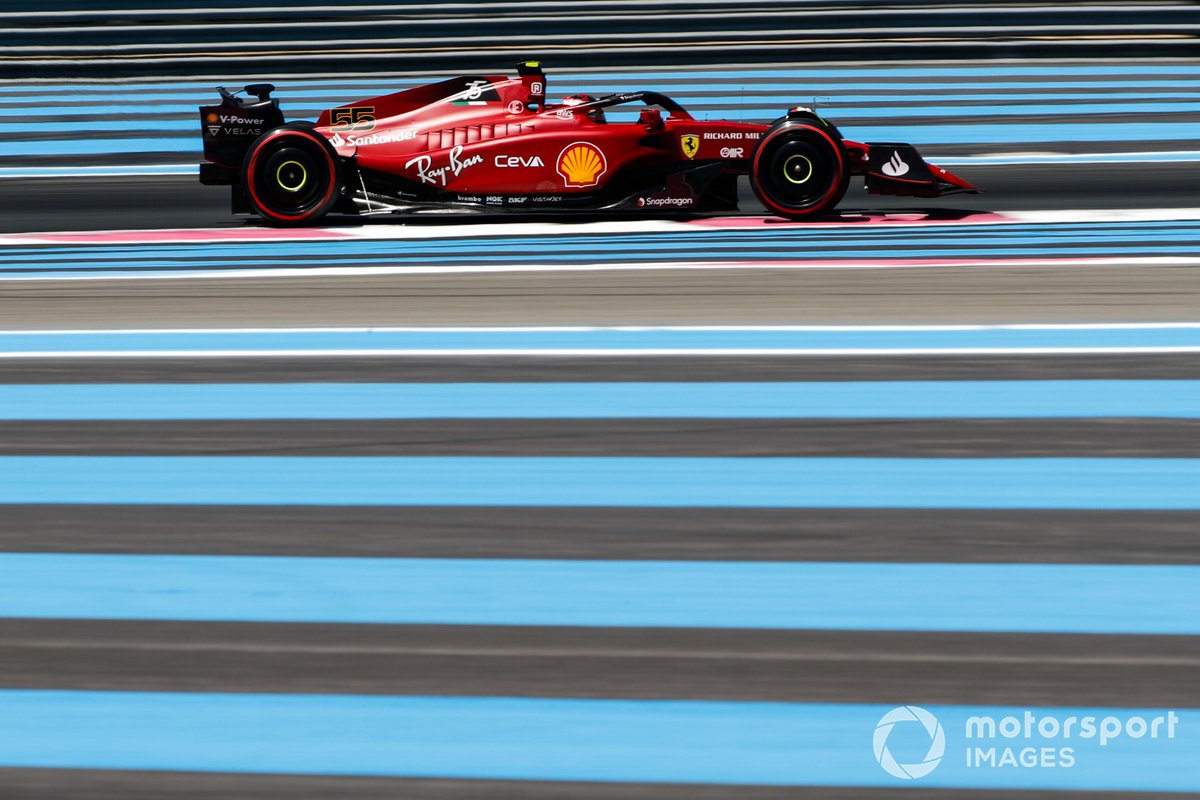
[898, 169]
[230, 128]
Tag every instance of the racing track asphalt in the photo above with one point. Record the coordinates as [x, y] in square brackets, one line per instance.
[94, 203]
[810, 666]
[998, 294]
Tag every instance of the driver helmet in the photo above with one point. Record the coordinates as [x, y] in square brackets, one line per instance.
[595, 114]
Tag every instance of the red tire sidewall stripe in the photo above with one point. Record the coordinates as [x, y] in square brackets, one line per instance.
[262, 209]
[833, 187]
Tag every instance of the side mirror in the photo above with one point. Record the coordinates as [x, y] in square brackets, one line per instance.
[652, 119]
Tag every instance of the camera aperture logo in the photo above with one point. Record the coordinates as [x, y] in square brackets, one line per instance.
[905, 715]
[1020, 740]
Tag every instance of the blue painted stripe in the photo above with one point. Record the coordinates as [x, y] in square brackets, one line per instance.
[99, 172]
[917, 134]
[763, 108]
[690, 95]
[1011, 231]
[1038, 483]
[896, 399]
[955, 75]
[619, 247]
[1070, 158]
[179, 144]
[631, 339]
[742, 256]
[1047, 598]
[952, 73]
[992, 238]
[797, 80]
[172, 98]
[677, 741]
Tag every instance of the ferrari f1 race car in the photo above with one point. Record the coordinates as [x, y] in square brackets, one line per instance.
[492, 143]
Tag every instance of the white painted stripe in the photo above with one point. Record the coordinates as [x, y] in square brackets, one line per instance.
[604, 352]
[569, 49]
[475, 7]
[1166, 64]
[472, 329]
[667, 37]
[327, 272]
[411, 228]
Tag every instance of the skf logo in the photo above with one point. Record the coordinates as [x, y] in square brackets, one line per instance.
[581, 164]
[689, 144]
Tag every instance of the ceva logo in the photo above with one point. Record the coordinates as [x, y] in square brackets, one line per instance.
[937, 742]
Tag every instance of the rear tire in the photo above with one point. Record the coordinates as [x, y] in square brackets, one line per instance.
[799, 170]
[292, 175]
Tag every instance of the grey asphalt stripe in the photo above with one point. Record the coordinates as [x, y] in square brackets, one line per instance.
[744, 534]
[902, 438]
[180, 201]
[744, 665]
[1147, 189]
[945, 295]
[44, 784]
[397, 369]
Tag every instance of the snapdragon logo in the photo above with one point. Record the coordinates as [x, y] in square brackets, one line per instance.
[937, 742]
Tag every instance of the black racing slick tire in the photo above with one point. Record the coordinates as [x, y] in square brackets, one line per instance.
[799, 169]
[291, 175]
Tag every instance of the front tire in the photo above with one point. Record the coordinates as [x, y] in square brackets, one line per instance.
[798, 169]
[292, 175]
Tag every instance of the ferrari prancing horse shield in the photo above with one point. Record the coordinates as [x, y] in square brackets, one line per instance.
[690, 144]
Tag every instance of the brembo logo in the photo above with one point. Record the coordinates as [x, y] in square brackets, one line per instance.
[581, 164]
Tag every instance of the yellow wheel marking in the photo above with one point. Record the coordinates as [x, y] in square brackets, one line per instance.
[788, 163]
[303, 176]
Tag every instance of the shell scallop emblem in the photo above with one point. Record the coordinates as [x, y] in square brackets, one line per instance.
[581, 164]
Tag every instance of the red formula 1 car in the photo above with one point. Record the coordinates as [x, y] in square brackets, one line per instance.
[494, 143]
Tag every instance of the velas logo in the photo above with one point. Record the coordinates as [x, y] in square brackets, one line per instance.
[581, 164]
[909, 715]
[689, 144]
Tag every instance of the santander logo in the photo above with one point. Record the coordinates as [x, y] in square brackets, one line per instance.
[895, 167]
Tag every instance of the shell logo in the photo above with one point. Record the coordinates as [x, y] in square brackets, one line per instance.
[581, 164]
